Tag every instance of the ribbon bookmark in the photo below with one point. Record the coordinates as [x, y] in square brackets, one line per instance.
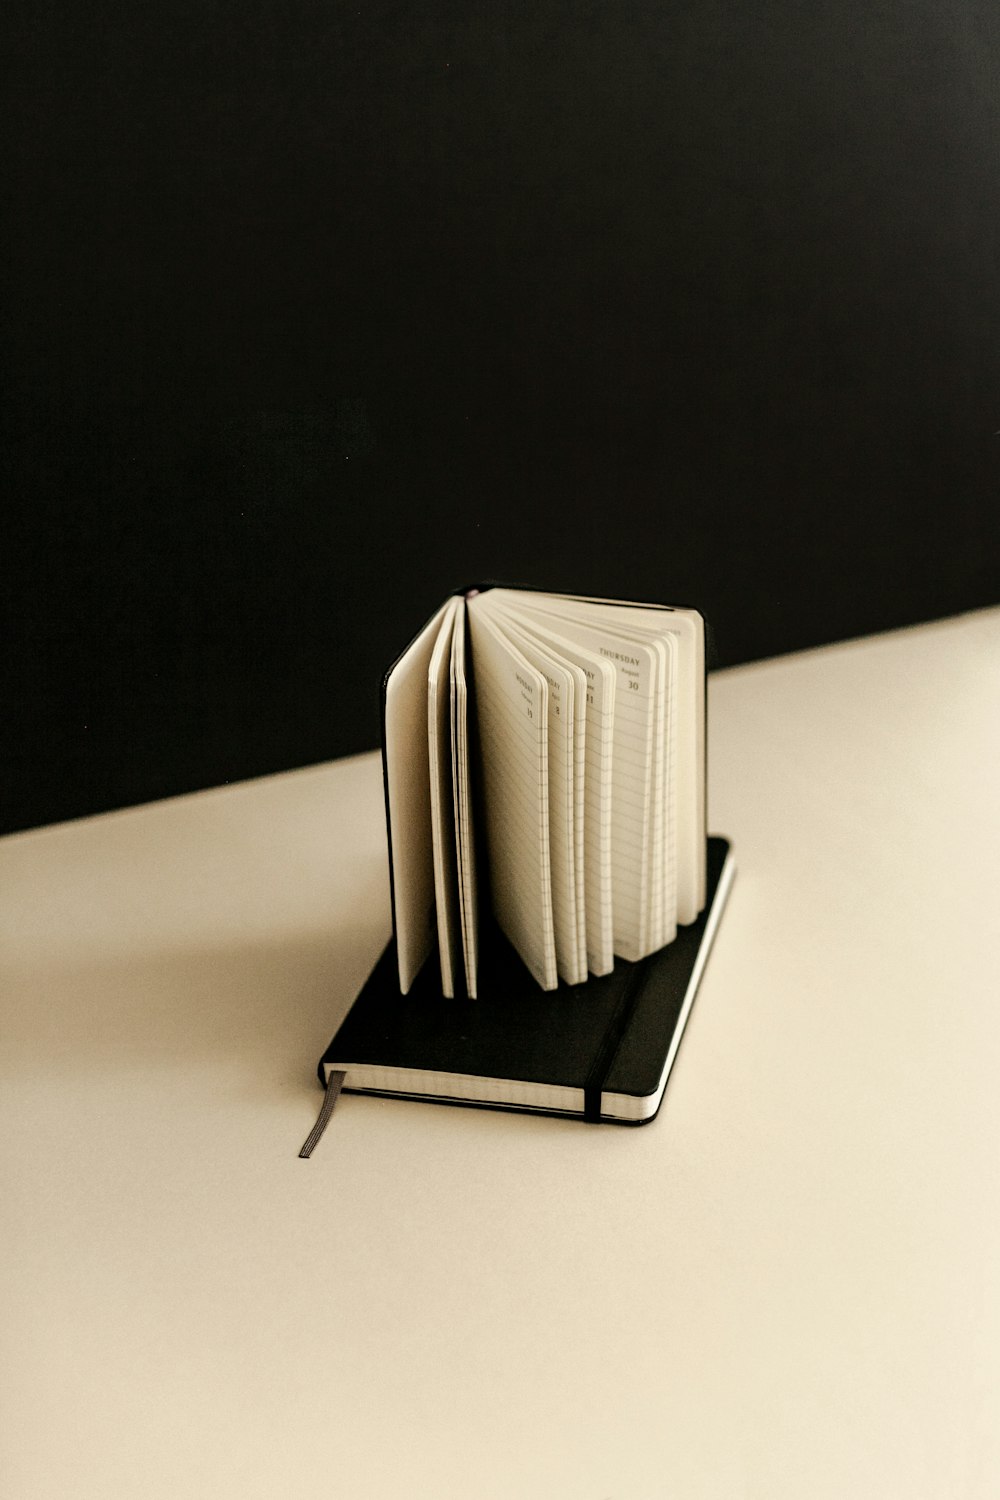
[334, 1084]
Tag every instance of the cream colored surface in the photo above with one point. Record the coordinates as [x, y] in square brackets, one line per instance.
[786, 1286]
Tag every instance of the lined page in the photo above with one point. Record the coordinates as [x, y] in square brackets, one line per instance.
[670, 842]
[684, 631]
[567, 911]
[462, 801]
[595, 747]
[442, 806]
[662, 888]
[512, 707]
[647, 625]
[631, 813]
[686, 628]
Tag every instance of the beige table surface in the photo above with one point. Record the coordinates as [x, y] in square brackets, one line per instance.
[787, 1286]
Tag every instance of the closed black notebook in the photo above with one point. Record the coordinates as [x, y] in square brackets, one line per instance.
[601, 1050]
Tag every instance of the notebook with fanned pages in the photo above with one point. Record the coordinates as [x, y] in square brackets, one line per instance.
[554, 892]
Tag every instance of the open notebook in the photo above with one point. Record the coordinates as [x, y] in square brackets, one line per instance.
[545, 758]
[554, 893]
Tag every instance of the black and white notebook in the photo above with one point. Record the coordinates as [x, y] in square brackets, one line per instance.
[554, 893]
[545, 760]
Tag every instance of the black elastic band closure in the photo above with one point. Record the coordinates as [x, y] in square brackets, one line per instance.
[617, 1026]
[334, 1084]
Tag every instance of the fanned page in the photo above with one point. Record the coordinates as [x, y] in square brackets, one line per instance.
[439, 739]
[408, 801]
[512, 707]
[632, 625]
[565, 848]
[632, 851]
[687, 628]
[462, 801]
[586, 794]
[595, 747]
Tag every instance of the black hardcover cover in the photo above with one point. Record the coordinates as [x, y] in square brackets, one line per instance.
[599, 1050]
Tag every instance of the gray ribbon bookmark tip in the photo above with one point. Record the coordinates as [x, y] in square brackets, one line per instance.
[334, 1084]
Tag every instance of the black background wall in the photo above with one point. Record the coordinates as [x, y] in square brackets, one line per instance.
[313, 311]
